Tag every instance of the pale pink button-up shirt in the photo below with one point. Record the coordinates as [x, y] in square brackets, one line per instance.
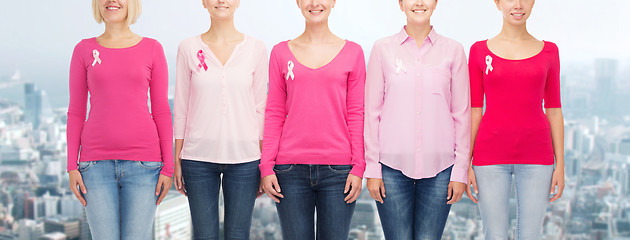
[219, 110]
[417, 107]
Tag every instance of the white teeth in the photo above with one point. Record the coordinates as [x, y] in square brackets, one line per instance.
[419, 11]
[113, 8]
[519, 15]
[316, 11]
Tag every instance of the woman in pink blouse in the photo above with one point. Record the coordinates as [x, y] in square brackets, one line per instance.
[220, 97]
[417, 126]
[125, 151]
[313, 149]
[514, 139]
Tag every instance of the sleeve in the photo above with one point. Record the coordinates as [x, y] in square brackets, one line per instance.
[355, 108]
[552, 86]
[160, 110]
[460, 111]
[261, 82]
[374, 99]
[476, 77]
[275, 115]
[182, 93]
[77, 107]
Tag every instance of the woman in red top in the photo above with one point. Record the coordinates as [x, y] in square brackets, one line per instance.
[514, 137]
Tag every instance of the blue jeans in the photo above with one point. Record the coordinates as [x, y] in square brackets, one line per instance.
[240, 185]
[306, 187]
[120, 198]
[533, 184]
[414, 209]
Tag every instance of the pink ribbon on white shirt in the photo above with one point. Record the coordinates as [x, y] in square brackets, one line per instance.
[202, 61]
[489, 67]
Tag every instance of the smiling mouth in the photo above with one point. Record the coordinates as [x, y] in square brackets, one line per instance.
[112, 8]
[518, 14]
[315, 11]
[419, 11]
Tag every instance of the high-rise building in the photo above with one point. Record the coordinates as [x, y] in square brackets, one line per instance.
[172, 218]
[33, 102]
[30, 229]
[605, 73]
[70, 228]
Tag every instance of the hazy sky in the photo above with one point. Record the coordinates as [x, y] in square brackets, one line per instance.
[37, 36]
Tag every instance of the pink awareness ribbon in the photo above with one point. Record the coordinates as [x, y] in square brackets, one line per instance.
[202, 61]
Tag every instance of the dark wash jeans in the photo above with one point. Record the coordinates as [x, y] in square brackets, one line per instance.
[309, 187]
[240, 184]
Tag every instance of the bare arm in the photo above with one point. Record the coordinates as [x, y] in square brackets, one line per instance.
[556, 122]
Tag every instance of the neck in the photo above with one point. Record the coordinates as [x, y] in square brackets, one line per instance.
[317, 32]
[117, 30]
[514, 32]
[222, 30]
[418, 31]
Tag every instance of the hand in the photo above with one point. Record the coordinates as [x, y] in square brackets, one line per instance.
[260, 191]
[472, 180]
[77, 179]
[178, 180]
[163, 185]
[352, 189]
[376, 187]
[272, 188]
[557, 181]
[455, 191]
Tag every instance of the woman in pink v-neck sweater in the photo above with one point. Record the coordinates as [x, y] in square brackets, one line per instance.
[312, 156]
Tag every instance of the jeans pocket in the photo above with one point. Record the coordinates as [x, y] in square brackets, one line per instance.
[282, 168]
[345, 169]
[85, 165]
[149, 165]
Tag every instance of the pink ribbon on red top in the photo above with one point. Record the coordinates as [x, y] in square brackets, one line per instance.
[202, 61]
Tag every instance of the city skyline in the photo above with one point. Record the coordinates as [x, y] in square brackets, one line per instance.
[42, 35]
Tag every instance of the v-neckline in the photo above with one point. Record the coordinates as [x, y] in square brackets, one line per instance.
[213, 56]
[345, 44]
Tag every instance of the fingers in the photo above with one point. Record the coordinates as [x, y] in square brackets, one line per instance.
[164, 186]
[558, 193]
[272, 188]
[260, 191]
[472, 181]
[347, 187]
[450, 192]
[179, 185]
[382, 188]
[470, 196]
[355, 191]
[456, 193]
[73, 188]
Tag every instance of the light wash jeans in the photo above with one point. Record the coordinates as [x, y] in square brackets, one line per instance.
[533, 184]
[120, 198]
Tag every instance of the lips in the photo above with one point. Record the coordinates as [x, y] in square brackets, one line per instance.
[315, 11]
[419, 11]
[113, 8]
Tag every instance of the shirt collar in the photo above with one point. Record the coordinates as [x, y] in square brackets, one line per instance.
[402, 36]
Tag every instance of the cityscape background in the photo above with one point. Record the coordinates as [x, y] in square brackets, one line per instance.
[38, 37]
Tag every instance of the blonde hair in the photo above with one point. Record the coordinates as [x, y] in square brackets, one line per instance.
[134, 8]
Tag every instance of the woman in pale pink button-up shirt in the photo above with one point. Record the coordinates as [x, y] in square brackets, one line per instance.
[220, 98]
[417, 126]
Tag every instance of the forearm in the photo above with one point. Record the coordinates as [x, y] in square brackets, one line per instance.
[556, 122]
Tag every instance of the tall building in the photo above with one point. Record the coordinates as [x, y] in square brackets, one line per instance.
[606, 87]
[33, 102]
[30, 229]
[172, 219]
[70, 228]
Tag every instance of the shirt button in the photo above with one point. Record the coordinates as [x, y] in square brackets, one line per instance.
[418, 149]
[419, 74]
[418, 131]
[418, 113]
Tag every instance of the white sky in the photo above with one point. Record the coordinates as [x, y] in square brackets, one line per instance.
[38, 36]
